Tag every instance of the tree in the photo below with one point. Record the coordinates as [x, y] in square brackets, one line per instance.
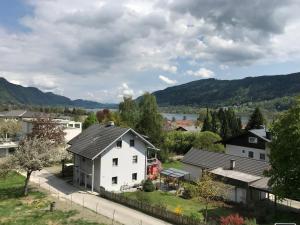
[9, 128]
[31, 155]
[90, 120]
[208, 141]
[48, 129]
[129, 112]
[104, 116]
[208, 190]
[256, 120]
[285, 155]
[151, 121]
[225, 131]
[207, 123]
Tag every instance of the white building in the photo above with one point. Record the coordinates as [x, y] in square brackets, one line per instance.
[238, 172]
[109, 157]
[251, 144]
[26, 118]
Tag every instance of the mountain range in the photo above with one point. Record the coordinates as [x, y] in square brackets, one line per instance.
[213, 92]
[19, 95]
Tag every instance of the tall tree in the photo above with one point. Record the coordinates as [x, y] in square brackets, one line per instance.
[225, 131]
[90, 120]
[129, 112]
[151, 120]
[256, 120]
[207, 123]
[285, 155]
[208, 141]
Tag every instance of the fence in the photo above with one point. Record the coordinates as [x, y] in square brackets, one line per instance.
[149, 209]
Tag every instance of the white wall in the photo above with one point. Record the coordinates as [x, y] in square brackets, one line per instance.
[195, 172]
[238, 151]
[125, 166]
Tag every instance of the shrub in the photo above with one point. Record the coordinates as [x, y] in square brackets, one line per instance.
[196, 216]
[233, 219]
[250, 221]
[178, 210]
[148, 186]
[189, 191]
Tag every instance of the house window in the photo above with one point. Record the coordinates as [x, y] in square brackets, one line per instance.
[132, 143]
[262, 156]
[134, 159]
[83, 159]
[250, 154]
[114, 180]
[243, 151]
[115, 162]
[77, 125]
[134, 176]
[252, 140]
[119, 144]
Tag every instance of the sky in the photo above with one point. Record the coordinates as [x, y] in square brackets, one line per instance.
[103, 50]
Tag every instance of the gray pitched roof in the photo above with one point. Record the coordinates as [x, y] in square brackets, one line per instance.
[262, 133]
[22, 114]
[95, 139]
[212, 160]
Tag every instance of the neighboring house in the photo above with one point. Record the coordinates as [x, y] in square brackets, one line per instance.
[110, 157]
[251, 144]
[26, 118]
[239, 172]
[192, 128]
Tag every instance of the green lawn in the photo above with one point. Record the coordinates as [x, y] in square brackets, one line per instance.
[189, 206]
[174, 164]
[33, 209]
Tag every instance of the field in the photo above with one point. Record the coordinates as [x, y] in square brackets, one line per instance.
[33, 209]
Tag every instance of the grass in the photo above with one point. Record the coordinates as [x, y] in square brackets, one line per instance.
[173, 164]
[33, 209]
[189, 206]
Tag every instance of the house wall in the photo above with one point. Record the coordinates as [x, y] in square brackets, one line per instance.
[234, 194]
[195, 172]
[125, 166]
[238, 151]
[82, 167]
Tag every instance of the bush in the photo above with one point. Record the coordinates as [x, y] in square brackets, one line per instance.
[148, 186]
[189, 191]
[232, 220]
[250, 221]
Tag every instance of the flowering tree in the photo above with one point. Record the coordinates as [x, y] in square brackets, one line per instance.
[232, 220]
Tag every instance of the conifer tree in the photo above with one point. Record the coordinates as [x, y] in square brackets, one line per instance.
[256, 120]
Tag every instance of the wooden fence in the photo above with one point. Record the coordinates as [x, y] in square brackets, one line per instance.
[155, 211]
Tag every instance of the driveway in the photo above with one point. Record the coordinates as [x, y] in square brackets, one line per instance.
[120, 213]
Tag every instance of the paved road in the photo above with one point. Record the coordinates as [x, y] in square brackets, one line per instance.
[105, 207]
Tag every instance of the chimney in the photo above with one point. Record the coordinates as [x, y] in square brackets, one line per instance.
[232, 164]
[110, 124]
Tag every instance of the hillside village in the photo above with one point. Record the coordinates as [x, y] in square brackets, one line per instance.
[136, 154]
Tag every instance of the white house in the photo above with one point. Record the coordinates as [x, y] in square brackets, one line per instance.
[238, 172]
[252, 144]
[26, 118]
[109, 157]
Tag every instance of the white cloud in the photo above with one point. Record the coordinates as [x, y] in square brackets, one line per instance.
[167, 80]
[71, 46]
[125, 91]
[202, 72]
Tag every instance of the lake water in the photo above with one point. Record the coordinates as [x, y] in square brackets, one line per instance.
[179, 116]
